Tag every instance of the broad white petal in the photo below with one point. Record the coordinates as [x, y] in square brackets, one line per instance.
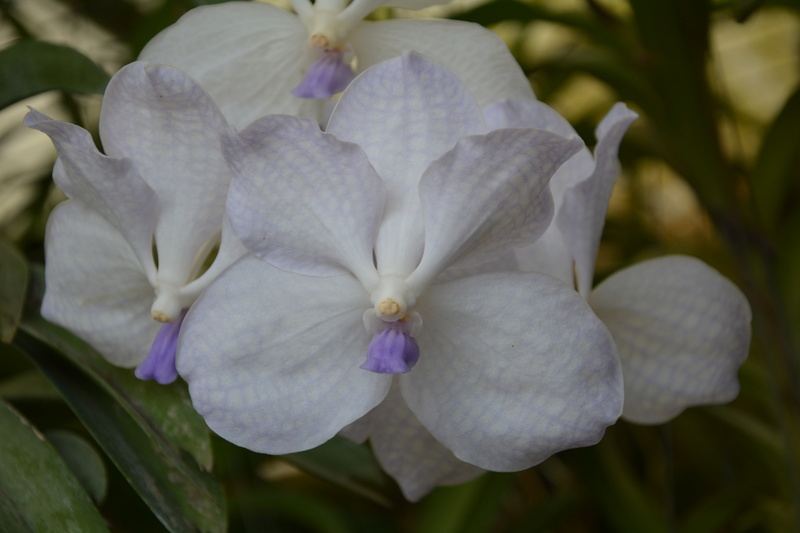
[404, 113]
[409, 453]
[247, 55]
[488, 193]
[583, 213]
[111, 187]
[473, 53]
[169, 126]
[513, 368]
[272, 357]
[682, 331]
[302, 199]
[96, 286]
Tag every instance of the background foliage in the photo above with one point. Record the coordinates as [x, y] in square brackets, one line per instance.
[710, 169]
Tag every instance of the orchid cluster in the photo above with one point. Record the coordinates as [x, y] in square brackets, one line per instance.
[413, 267]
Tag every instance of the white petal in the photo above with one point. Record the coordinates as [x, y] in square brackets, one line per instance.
[526, 113]
[548, 255]
[111, 187]
[409, 453]
[488, 193]
[167, 124]
[513, 368]
[272, 358]
[404, 113]
[534, 114]
[303, 200]
[247, 55]
[96, 287]
[582, 216]
[476, 55]
[682, 331]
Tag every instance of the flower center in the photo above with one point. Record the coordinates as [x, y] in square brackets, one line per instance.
[392, 298]
[168, 304]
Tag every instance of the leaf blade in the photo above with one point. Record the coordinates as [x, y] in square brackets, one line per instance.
[38, 491]
[30, 67]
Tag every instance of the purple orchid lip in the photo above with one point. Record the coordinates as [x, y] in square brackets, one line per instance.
[160, 361]
[327, 76]
[392, 351]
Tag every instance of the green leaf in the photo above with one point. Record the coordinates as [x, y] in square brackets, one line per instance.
[184, 498]
[13, 282]
[37, 490]
[624, 79]
[616, 489]
[31, 67]
[26, 385]
[513, 10]
[675, 34]
[303, 511]
[777, 163]
[467, 508]
[345, 464]
[83, 460]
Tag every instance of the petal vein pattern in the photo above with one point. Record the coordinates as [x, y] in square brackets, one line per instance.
[682, 331]
[304, 200]
[515, 367]
[488, 194]
[291, 380]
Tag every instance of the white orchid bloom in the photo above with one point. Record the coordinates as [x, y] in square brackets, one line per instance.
[351, 230]
[682, 329]
[161, 188]
[255, 59]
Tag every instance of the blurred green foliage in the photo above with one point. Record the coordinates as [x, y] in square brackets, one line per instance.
[86, 446]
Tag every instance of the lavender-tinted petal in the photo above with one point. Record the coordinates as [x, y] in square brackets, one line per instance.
[391, 351]
[160, 362]
[327, 76]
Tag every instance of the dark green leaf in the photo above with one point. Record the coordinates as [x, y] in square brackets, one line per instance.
[26, 385]
[468, 508]
[624, 79]
[13, 282]
[675, 34]
[183, 497]
[83, 460]
[616, 489]
[607, 33]
[778, 163]
[346, 464]
[294, 506]
[31, 67]
[37, 490]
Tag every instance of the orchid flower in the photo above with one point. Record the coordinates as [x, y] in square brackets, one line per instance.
[125, 253]
[341, 310]
[682, 329]
[256, 59]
